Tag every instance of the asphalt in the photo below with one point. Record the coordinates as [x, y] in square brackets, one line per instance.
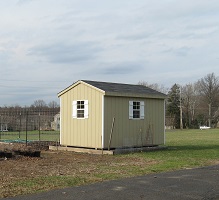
[200, 183]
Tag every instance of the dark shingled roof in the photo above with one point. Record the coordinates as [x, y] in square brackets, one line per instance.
[123, 88]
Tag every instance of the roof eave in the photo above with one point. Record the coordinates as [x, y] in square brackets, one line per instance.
[137, 95]
[77, 83]
[68, 88]
[96, 88]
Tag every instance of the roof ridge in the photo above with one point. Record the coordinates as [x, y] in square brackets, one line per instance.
[120, 89]
[133, 88]
[116, 83]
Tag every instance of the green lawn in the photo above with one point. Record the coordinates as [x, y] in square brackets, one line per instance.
[31, 135]
[186, 149]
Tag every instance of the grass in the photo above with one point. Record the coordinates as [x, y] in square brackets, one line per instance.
[186, 149]
[39, 184]
[31, 135]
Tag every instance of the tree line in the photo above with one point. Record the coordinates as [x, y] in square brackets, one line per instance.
[193, 104]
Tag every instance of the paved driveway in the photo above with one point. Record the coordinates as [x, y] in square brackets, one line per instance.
[200, 183]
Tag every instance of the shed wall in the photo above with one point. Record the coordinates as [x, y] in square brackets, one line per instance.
[82, 132]
[133, 132]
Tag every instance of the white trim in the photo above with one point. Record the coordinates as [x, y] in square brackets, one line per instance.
[60, 126]
[103, 121]
[75, 109]
[86, 112]
[142, 112]
[96, 88]
[77, 83]
[141, 109]
[130, 109]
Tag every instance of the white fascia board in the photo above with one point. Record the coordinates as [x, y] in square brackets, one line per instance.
[91, 86]
[102, 121]
[60, 126]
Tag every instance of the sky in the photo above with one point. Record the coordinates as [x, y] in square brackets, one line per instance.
[47, 45]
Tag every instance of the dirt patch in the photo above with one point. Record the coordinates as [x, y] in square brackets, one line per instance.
[12, 150]
[43, 145]
[22, 175]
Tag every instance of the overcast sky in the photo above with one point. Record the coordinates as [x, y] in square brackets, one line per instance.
[46, 45]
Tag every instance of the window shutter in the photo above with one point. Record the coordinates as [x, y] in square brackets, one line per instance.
[130, 109]
[86, 109]
[142, 110]
[74, 109]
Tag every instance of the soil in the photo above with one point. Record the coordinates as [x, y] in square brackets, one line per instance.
[58, 163]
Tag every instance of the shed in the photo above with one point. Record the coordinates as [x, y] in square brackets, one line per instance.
[103, 115]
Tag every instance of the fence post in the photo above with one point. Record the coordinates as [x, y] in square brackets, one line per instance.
[20, 127]
[26, 124]
[1, 128]
[39, 132]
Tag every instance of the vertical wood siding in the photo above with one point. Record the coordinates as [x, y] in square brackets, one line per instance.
[82, 132]
[133, 132]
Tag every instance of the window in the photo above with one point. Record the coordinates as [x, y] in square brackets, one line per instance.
[136, 109]
[80, 109]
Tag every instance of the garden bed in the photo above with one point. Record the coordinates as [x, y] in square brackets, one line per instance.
[12, 150]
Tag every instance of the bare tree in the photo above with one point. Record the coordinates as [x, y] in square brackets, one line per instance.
[53, 104]
[190, 102]
[39, 103]
[54, 107]
[155, 86]
[209, 89]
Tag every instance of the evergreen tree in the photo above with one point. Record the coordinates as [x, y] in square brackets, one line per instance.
[173, 104]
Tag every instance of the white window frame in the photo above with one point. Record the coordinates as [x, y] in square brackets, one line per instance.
[75, 109]
[131, 110]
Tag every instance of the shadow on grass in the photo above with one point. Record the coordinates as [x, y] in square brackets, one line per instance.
[193, 147]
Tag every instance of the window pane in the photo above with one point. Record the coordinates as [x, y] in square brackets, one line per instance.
[136, 105]
[136, 114]
[80, 114]
[80, 104]
[136, 109]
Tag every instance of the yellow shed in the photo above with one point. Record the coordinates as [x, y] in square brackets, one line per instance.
[102, 115]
